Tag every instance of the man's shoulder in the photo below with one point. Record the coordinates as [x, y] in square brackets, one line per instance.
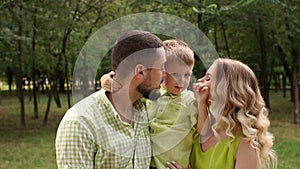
[87, 107]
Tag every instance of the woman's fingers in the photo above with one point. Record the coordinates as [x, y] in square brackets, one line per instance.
[201, 79]
[200, 87]
[174, 165]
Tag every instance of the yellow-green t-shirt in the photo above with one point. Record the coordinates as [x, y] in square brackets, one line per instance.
[221, 155]
[171, 121]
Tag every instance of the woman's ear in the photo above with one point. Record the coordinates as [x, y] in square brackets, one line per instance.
[138, 71]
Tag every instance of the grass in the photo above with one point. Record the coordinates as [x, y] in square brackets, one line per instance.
[287, 134]
[33, 147]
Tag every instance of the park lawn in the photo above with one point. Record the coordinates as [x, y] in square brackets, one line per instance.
[33, 147]
[30, 149]
[287, 134]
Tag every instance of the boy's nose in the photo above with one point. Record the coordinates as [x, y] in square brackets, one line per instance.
[180, 79]
[164, 73]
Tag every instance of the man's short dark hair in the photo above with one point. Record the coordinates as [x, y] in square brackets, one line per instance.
[131, 42]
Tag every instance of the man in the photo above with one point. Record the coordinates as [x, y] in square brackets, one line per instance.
[110, 130]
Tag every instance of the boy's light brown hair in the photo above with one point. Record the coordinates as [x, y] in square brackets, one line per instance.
[178, 51]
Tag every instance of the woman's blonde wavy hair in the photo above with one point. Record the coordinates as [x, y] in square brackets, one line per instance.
[238, 107]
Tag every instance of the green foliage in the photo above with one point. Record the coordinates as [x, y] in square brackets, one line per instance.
[77, 21]
[82, 18]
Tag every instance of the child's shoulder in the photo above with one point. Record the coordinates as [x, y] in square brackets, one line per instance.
[188, 95]
[188, 92]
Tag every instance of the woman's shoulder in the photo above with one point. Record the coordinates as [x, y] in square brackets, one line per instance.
[246, 155]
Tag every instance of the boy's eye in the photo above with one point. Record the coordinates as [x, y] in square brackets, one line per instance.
[175, 74]
[187, 75]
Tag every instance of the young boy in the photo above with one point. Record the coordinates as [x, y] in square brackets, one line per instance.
[172, 117]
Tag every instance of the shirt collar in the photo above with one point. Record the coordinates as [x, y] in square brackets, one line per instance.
[138, 106]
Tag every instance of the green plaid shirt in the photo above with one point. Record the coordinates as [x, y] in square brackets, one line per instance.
[92, 135]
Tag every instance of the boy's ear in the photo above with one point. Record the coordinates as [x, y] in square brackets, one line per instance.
[138, 71]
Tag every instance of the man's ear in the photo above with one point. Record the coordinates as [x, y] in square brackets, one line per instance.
[138, 71]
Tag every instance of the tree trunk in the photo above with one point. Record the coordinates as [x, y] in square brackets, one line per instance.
[35, 102]
[42, 84]
[50, 92]
[29, 88]
[10, 77]
[272, 74]
[67, 32]
[63, 52]
[276, 86]
[85, 79]
[33, 70]
[216, 38]
[55, 93]
[295, 89]
[9, 87]
[284, 84]
[19, 69]
[295, 85]
[263, 64]
[225, 39]
[200, 22]
[288, 72]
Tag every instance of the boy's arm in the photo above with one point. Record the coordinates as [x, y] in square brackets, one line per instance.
[108, 84]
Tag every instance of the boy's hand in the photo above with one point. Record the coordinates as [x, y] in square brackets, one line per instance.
[108, 84]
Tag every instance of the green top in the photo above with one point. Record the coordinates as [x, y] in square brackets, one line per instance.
[171, 127]
[221, 155]
[92, 135]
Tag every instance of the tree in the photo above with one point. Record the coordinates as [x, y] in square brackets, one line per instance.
[20, 53]
[295, 65]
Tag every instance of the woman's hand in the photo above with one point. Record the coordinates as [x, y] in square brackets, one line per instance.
[201, 91]
[174, 165]
[108, 84]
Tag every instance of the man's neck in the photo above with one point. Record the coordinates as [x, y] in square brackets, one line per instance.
[123, 104]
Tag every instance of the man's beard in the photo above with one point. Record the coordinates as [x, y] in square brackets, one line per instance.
[153, 94]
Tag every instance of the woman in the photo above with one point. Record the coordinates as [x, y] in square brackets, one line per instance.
[236, 134]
